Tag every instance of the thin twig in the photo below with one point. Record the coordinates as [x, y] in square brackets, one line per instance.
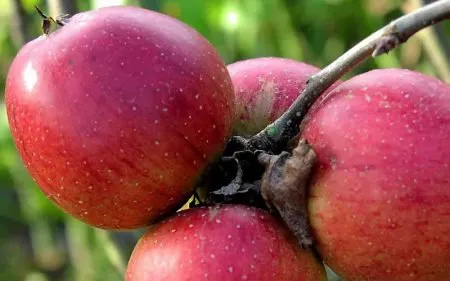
[275, 136]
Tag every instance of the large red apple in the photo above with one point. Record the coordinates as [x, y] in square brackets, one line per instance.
[380, 198]
[222, 243]
[264, 89]
[116, 114]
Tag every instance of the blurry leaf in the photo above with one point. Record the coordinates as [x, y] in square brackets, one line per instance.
[105, 3]
[36, 276]
[5, 135]
[8, 205]
[410, 52]
[15, 262]
[29, 4]
[191, 12]
[111, 251]
[5, 8]
[289, 43]
[89, 258]
[388, 60]
[427, 68]
[380, 7]
[334, 47]
[48, 251]
[80, 241]
[84, 5]
[151, 4]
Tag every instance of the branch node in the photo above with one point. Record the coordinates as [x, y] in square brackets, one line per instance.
[284, 187]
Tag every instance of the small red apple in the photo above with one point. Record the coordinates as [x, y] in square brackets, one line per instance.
[380, 197]
[116, 114]
[264, 89]
[220, 243]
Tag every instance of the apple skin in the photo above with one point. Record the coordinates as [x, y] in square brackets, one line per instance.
[380, 196]
[222, 242]
[264, 89]
[116, 114]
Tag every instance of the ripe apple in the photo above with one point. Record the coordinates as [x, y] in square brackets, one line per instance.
[116, 114]
[380, 197]
[222, 242]
[264, 89]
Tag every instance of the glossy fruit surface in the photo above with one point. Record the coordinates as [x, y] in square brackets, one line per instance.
[116, 114]
[380, 198]
[222, 243]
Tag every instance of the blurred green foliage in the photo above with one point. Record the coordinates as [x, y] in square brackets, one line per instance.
[38, 242]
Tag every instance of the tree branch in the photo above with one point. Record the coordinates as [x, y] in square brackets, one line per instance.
[275, 136]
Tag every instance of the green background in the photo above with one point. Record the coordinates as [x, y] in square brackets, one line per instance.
[38, 242]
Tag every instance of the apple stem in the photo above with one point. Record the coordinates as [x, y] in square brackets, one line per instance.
[275, 136]
[47, 21]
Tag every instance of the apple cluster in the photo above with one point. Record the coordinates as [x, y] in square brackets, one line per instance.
[117, 115]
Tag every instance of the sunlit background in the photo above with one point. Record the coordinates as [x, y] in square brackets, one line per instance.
[40, 243]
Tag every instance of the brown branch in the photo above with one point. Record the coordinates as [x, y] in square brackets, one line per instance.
[275, 136]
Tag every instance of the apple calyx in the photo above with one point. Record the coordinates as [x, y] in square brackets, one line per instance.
[274, 182]
[48, 21]
[243, 183]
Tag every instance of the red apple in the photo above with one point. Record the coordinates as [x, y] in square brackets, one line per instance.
[264, 89]
[380, 198]
[116, 114]
[222, 243]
